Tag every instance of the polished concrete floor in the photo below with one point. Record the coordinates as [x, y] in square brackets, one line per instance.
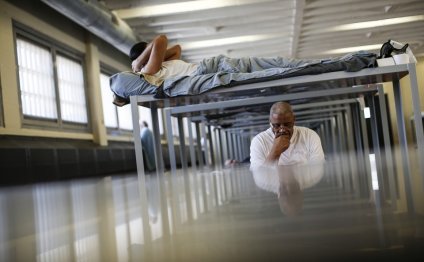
[327, 212]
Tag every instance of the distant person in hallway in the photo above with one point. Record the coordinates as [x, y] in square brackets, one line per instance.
[283, 143]
[146, 137]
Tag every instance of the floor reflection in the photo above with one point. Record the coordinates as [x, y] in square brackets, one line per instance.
[314, 212]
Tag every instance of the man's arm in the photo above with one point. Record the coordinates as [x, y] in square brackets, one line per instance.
[150, 61]
[173, 53]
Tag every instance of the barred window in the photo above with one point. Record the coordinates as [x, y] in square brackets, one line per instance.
[51, 82]
[36, 80]
[71, 90]
[118, 118]
[110, 115]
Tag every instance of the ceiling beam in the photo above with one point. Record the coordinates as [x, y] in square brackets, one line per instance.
[297, 27]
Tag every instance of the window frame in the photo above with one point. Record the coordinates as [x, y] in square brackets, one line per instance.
[2, 106]
[55, 48]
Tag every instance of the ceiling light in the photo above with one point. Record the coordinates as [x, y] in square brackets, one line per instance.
[181, 7]
[225, 41]
[377, 23]
[352, 49]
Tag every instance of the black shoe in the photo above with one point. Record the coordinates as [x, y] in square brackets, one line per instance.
[387, 50]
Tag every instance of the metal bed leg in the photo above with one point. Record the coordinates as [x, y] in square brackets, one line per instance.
[366, 148]
[224, 147]
[170, 140]
[239, 149]
[376, 147]
[220, 147]
[360, 150]
[211, 148]
[351, 146]
[387, 148]
[176, 214]
[343, 152]
[403, 146]
[199, 146]
[160, 167]
[183, 157]
[205, 144]
[193, 164]
[417, 116]
[140, 170]
[184, 164]
[336, 153]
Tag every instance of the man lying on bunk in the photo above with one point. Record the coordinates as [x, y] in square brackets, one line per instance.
[284, 143]
[154, 65]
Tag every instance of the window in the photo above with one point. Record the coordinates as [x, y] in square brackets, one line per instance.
[51, 82]
[116, 118]
[71, 90]
[109, 110]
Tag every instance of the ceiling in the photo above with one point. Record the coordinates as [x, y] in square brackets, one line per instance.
[288, 28]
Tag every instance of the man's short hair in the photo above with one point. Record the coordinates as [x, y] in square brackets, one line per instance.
[137, 49]
[280, 108]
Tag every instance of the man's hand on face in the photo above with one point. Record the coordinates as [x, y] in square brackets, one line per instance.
[282, 140]
[281, 143]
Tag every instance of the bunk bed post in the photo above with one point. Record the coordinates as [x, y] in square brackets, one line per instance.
[193, 164]
[175, 209]
[417, 116]
[351, 146]
[181, 136]
[184, 164]
[191, 145]
[140, 169]
[360, 152]
[205, 144]
[199, 146]
[376, 148]
[366, 146]
[160, 169]
[157, 140]
[387, 147]
[170, 140]
[344, 152]
[211, 145]
[403, 146]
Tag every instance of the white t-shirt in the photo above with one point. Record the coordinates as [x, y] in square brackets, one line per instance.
[305, 148]
[170, 68]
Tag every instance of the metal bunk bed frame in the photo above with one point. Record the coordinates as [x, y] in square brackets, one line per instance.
[346, 85]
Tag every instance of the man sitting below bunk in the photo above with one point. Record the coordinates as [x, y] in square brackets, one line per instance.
[284, 152]
[284, 143]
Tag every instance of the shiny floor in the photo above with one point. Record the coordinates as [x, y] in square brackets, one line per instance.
[328, 212]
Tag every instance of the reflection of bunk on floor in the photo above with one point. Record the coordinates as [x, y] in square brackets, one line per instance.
[324, 92]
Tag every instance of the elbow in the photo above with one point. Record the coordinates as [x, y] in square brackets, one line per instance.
[162, 38]
[178, 47]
